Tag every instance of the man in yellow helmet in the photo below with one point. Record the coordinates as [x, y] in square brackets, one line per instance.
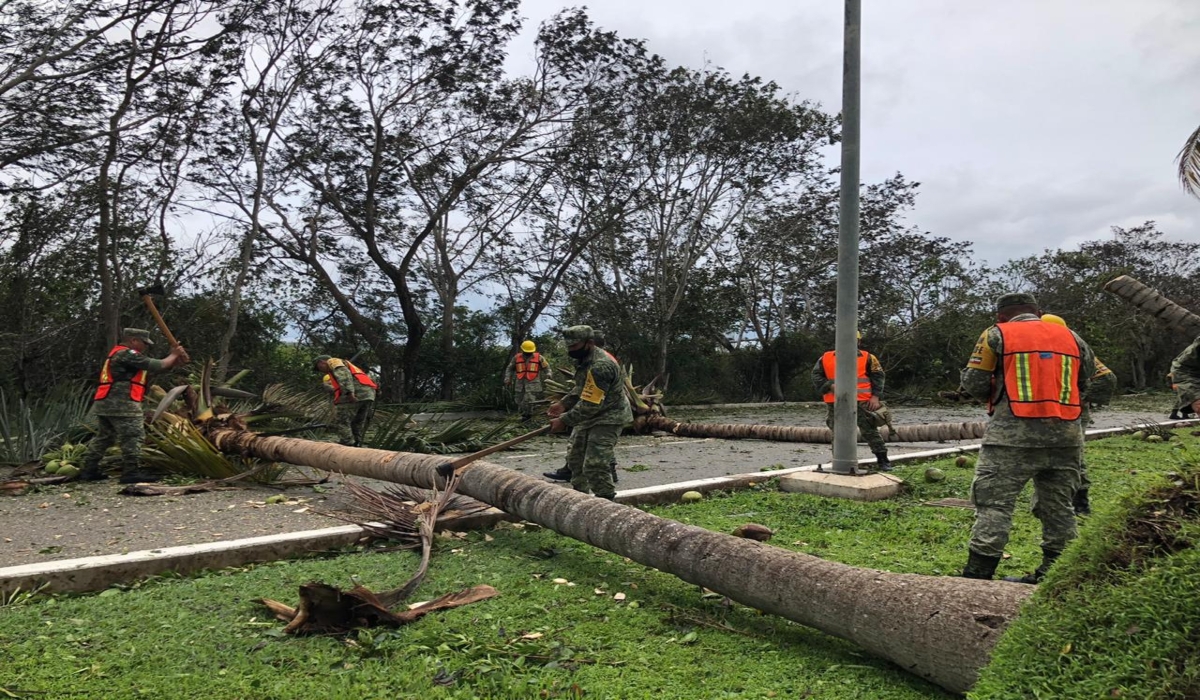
[1100, 392]
[525, 374]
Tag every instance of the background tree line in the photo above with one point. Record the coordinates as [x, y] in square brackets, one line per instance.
[366, 177]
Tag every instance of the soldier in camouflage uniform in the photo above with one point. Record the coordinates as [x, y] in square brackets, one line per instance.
[1100, 392]
[1034, 432]
[118, 405]
[596, 411]
[524, 375]
[353, 397]
[1185, 377]
[869, 399]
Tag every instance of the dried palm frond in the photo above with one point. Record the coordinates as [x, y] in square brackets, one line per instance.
[393, 512]
[1189, 164]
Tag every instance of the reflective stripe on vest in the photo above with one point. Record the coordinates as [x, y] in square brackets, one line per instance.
[360, 376]
[829, 364]
[528, 367]
[1041, 370]
[137, 384]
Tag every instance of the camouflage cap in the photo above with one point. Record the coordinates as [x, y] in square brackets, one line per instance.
[140, 333]
[318, 360]
[577, 334]
[1015, 299]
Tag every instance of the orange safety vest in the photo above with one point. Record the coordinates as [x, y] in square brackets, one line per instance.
[137, 385]
[528, 368]
[829, 364]
[360, 376]
[1041, 370]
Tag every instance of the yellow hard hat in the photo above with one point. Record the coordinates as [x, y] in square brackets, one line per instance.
[1051, 318]
[528, 346]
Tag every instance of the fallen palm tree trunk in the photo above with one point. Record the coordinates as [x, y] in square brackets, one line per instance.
[939, 628]
[930, 432]
[1152, 302]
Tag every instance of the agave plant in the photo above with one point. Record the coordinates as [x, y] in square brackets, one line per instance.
[29, 429]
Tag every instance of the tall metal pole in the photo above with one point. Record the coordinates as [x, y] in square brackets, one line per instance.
[845, 423]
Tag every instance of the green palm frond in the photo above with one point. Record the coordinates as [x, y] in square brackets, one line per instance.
[1189, 164]
[179, 447]
[399, 433]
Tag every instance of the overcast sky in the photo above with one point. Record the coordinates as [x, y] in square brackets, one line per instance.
[1031, 124]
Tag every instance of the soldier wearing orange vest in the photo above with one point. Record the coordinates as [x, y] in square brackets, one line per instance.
[117, 404]
[870, 392]
[353, 397]
[1035, 376]
[525, 374]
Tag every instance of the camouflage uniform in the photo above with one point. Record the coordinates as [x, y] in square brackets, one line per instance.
[350, 416]
[1100, 393]
[526, 391]
[120, 418]
[1016, 450]
[867, 427]
[1185, 374]
[597, 410]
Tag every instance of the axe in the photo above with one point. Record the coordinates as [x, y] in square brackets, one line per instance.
[147, 295]
[448, 469]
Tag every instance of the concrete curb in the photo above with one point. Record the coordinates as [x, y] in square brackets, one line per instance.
[97, 573]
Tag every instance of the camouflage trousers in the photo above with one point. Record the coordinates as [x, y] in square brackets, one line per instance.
[350, 421]
[866, 429]
[1000, 475]
[126, 431]
[589, 454]
[527, 394]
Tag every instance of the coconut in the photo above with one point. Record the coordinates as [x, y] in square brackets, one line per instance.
[934, 474]
[965, 462]
[52, 466]
[1139, 435]
[68, 470]
[1154, 438]
[691, 496]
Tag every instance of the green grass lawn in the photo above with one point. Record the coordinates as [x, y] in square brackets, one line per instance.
[205, 637]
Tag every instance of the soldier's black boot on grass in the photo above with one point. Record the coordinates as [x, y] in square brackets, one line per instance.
[560, 474]
[980, 566]
[1039, 573]
[1080, 501]
[881, 462]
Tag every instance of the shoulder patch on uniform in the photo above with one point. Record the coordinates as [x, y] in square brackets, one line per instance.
[591, 392]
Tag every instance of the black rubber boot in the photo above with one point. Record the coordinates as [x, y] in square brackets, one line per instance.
[561, 474]
[1039, 573]
[613, 468]
[881, 462]
[980, 566]
[94, 473]
[1080, 501]
[137, 476]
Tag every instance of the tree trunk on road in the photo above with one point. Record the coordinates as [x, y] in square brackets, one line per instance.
[939, 628]
[929, 432]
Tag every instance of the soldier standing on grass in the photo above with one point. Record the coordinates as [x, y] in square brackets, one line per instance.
[118, 405]
[1034, 376]
[524, 375]
[1185, 377]
[596, 411]
[353, 397]
[870, 392]
[1100, 393]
